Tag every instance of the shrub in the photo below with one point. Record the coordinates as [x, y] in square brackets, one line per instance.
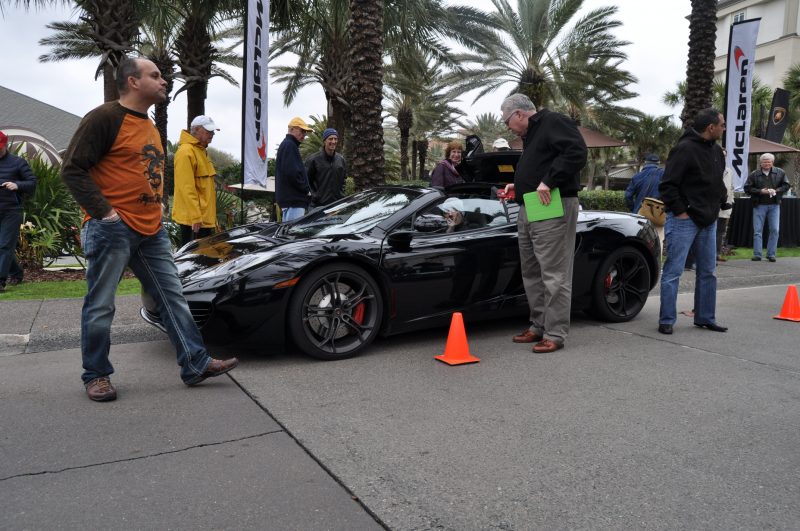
[50, 209]
[603, 200]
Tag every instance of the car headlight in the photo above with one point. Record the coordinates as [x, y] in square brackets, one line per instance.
[235, 266]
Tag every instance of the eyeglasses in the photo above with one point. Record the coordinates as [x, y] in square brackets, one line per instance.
[509, 118]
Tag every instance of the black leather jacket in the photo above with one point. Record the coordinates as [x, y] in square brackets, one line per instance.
[757, 181]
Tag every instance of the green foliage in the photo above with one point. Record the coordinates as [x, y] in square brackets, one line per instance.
[72, 289]
[227, 209]
[54, 215]
[603, 200]
[221, 159]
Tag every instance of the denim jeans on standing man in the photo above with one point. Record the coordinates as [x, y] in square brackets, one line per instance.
[10, 220]
[109, 247]
[680, 235]
[772, 213]
[291, 213]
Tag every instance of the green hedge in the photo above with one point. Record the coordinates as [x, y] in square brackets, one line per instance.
[603, 200]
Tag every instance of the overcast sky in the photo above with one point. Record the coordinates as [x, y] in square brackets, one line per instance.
[657, 57]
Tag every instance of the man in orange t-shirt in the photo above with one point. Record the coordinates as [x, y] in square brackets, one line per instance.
[114, 166]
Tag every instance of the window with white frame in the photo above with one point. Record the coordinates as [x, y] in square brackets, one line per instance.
[738, 17]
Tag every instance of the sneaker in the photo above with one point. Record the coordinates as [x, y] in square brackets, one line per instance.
[756, 259]
[771, 258]
[101, 390]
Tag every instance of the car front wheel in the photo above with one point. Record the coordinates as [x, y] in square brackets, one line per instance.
[335, 312]
[621, 286]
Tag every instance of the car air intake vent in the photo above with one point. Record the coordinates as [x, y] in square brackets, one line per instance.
[201, 311]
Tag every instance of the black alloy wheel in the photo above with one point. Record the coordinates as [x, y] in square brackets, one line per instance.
[335, 312]
[621, 286]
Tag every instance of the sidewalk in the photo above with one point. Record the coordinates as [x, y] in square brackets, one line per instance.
[41, 326]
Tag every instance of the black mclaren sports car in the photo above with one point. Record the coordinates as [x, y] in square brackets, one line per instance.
[395, 259]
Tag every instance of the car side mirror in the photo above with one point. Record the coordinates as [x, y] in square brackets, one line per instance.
[401, 240]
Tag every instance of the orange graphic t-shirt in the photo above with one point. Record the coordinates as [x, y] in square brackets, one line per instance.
[115, 160]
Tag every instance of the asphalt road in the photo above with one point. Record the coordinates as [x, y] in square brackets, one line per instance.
[624, 428]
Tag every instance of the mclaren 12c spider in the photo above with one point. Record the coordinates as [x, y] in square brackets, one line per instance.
[395, 259]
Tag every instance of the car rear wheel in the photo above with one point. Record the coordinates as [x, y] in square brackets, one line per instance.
[621, 286]
[335, 312]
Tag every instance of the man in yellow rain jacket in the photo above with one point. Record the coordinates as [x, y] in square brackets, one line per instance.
[195, 203]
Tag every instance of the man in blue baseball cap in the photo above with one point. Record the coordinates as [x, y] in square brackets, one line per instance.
[326, 171]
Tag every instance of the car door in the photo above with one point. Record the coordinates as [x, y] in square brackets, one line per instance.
[440, 272]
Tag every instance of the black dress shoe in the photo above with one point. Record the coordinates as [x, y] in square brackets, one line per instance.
[713, 326]
[665, 328]
[771, 258]
[756, 259]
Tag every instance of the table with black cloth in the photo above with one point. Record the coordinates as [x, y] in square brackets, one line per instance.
[740, 230]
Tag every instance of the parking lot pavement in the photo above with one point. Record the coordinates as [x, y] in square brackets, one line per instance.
[624, 428]
[163, 456]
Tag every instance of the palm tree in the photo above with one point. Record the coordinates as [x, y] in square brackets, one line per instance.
[366, 92]
[761, 97]
[534, 49]
[702, 51]
[204, 22]
[488, 127]
[652, 134]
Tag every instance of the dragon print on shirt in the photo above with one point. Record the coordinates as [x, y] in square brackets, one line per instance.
[155, 167]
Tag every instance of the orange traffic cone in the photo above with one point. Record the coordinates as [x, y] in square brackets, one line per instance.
[456, 351]
[791, 306]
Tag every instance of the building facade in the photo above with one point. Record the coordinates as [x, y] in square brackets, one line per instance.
[778, 43]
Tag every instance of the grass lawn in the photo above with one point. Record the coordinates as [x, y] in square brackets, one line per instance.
[741, 253]
[61, 290]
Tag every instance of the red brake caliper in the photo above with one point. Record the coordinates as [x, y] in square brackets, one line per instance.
[358, 313]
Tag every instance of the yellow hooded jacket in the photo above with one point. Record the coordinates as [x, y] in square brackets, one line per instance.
[195, 195]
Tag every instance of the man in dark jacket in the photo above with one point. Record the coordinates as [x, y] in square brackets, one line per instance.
[766, 186]
[291, 181]
[16, 178]
[554, 155]
[644, 184]
[693, 191]
[326, 171]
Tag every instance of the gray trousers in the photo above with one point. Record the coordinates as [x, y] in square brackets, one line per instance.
[546, 252]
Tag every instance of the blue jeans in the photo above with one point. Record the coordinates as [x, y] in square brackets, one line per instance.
[288, 214]
[772, 213]
[680, 235]
[10, 220]
[109, 247]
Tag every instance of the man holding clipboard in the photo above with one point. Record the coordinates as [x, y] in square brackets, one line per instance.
[546, 186]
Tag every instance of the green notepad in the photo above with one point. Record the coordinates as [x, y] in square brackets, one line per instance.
[536, 211]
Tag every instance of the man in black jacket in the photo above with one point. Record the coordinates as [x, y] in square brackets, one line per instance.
[16, 177]
[326, 171]
[291, 181]
[766, 186]
[553, 157]
[693, 191]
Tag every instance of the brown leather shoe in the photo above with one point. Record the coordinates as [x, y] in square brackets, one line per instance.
[101, 390]
[527, 337]
[215, 368]
[545, 346]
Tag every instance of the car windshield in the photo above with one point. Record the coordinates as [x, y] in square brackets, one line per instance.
[356, 214]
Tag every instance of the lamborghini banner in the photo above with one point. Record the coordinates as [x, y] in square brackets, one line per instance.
[739, 86]
[778, 116]
[254, 93]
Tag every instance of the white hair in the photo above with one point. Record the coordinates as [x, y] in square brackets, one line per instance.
[767, 156]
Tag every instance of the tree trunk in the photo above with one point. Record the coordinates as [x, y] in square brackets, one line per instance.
[110, 92]
[413, 157]
[405, 120]
[700, 66]
[422, 146]
[366, 59]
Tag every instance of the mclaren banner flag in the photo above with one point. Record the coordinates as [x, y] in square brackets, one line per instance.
[254, 93]
[739, 87]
